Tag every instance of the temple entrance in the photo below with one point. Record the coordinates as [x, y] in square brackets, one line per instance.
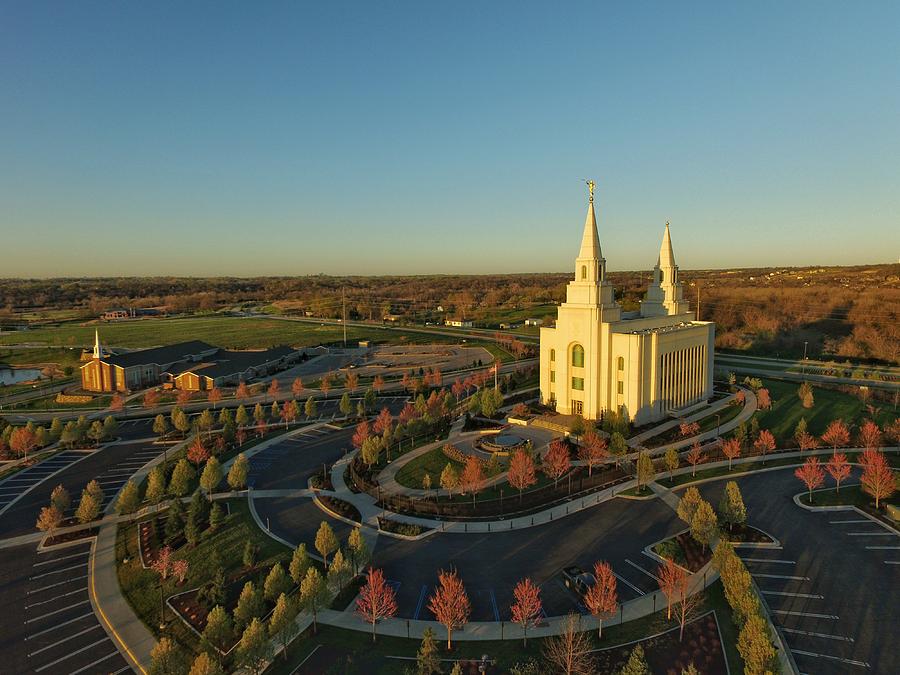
[577, 408]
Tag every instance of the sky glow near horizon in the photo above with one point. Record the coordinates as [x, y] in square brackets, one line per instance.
[407, 138]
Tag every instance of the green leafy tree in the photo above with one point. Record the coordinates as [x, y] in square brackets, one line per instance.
[731, 507]
[637, 663]
[704, 523]
[211, 476]
[259, 414]
[216, 517]
[129, 499]
[225, 417]
[175, 520]
[755, 646]
[156, 485]
[687, 505]
[219, 629]
[237, 476]
[313, 594]
[241, 417]
[180, 421]
[198, 513]
[180, 482]
[88, 508]
[277, 583]
[428, 660]
[109, 427]
[617, 446]
[671, 461]
[345, 407]
[253, 649]
[206, 421]
[300, 562]
[167, 658]
[326, 542]
[249, 606]
[645, 472]
[249, 555]
[56, 429]
[282, 625]
[60, 498]
[310, 408]
[369, 399]
[95, 433]
[205, 664]
[339, 570]
[160, 425]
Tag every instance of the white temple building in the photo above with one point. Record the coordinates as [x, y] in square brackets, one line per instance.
[648, 364]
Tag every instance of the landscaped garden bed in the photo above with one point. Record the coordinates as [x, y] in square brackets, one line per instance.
[340, 507]
[746, 534]
[68, 537]
[407, 529]
[683, 550]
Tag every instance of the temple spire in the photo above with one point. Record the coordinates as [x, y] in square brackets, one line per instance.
[590, 240]
[98, 350]
[666, 255]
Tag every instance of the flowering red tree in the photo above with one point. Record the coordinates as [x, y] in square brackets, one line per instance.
[151, 398]
[272, 391]
[731, 448]
[836, 435]
[450, 603]
[289, 412]
[838, 468]
[811, 474]
[197, 453]
[384, 421]
[556, 461]
[184, 396]
[763, 400]
[593, 449]
[180, 570]
[163, 566]
[242, 392]
[378, 383]
[689, 429]
[325, 386]
[361, 434]
[214, 396]
[376, 599]
[601, 599]
[764, 443]
[740, 397]
[694, 457]
[22, 441]
[297, 387]
[351, 381]
[521, 471]
[671, 578]
[472, 476]
[407, 414]
[117, 403]
[877, 477]
[526, 610]
[807, 441]
[457, 388]
[870, 435]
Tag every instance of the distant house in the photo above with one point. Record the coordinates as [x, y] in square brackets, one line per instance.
[227, 368]
[534, 322]
[116, 314]
[393, 318]
[459, 323]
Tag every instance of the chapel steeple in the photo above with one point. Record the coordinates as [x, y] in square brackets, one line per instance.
[98, 349]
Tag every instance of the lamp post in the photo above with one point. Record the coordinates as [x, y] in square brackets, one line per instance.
[717, 424]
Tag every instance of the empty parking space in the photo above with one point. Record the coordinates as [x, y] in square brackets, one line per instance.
[17, 485]
[61, 633]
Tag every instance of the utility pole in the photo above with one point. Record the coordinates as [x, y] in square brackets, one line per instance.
[344, 315]
[698, 301]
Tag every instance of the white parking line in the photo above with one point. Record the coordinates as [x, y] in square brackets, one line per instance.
[828, 636]
[64, 557]
[55, 598]
[641, 569]
[861, 520]
[892, 562]
[58, 626]
[58, 583]
[812, 615]
[57, 611]
[91, 665]
[767, 560]
[883, 548]
[629, 584]
[64, 569]
[861, 664]
[781, 576]
[71, 654]
[794, 595]
[870, 534]
[65, 639]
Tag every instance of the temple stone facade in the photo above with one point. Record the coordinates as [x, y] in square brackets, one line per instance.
[649, 364]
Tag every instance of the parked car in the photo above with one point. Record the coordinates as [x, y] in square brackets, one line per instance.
[577, 579]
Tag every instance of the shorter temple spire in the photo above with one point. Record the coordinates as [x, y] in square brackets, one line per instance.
[98, 349]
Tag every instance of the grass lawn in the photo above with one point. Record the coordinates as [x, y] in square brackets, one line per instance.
[225, 546]
[708, 423]
[432, 462]
[222, 331]
[787, 410]
[353, 652]
[37, 356]
[849, 495]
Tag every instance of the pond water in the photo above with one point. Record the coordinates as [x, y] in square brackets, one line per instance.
[16, 375]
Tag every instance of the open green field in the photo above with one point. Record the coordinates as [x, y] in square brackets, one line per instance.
[223, 331]
[787, 410]
[39, 356]
[432, 462]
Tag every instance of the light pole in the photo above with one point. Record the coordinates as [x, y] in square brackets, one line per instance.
[717, 425]
[803, 366]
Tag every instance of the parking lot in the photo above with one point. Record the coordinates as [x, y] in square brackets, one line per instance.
[829, 584]
[49, 625]
[14, 487]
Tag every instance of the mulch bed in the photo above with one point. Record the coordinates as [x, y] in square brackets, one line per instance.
[150, 541]
[339, 506]
[695, 556]
[70, 536]
[665, 655]
[745, 534]
[320, 483]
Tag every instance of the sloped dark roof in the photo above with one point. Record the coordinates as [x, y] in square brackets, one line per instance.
[168, 354]
[224, 363]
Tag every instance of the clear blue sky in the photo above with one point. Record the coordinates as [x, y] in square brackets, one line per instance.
[247, 138]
